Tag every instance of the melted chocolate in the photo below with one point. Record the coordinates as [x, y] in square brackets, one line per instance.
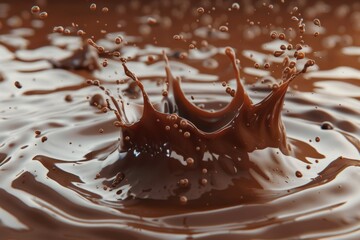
[251, 141]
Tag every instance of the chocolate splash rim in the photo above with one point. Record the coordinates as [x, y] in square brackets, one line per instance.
[166, 155]
[239, 109]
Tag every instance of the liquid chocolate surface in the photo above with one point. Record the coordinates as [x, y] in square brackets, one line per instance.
[179, 119]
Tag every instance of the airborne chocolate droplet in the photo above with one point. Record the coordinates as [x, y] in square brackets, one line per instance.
[18, 84]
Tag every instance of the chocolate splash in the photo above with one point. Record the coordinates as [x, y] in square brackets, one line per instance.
[171, 147]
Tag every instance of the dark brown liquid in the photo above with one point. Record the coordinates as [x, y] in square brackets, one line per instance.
[200, 145]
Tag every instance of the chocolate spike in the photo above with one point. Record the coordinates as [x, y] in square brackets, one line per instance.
[264, 121]
[168, 101]
[240, 94]
[260, 126]
[148, 107]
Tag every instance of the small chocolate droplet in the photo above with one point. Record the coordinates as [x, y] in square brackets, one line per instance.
[183, 200]
[190, 161]
[327, 126]
[43, 15]
[176, 37]
[18, 84]
[183, 123]
[204, 181]
[118, 40]
[35, 9]
[200, 10]
[68, 98]
[282, 36]
[235, 6]
[184, 182]
[97, 100]
[273, 35]
[298, 174]
[151, 21]
[300, 55]
[93, 7]
[223, 29]
[58, 29]
[317, 22]
[278, 53]
[81, 33]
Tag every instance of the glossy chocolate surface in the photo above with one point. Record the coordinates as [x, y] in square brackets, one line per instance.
[179, 120]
